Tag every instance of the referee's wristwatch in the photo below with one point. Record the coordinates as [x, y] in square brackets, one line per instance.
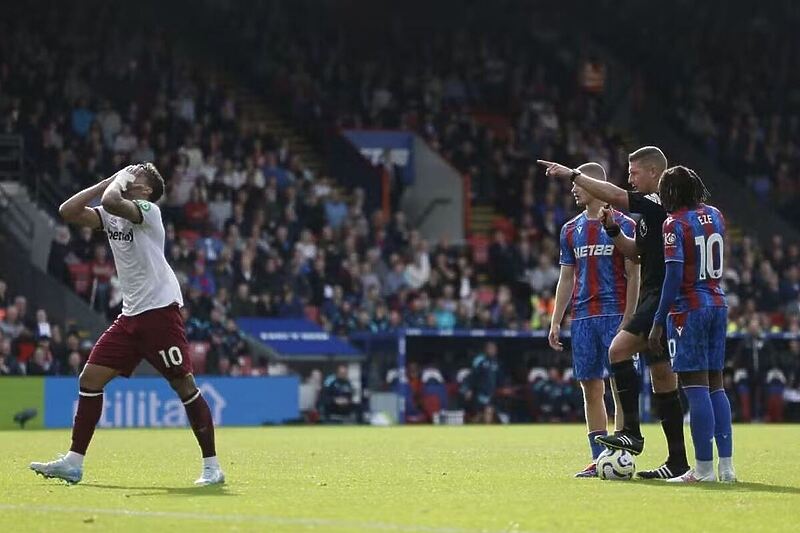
[575, 174]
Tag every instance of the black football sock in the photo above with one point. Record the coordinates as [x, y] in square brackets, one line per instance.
[669, 411]
[627, 381]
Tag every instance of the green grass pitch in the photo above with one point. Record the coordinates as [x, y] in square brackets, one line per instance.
[428, 479]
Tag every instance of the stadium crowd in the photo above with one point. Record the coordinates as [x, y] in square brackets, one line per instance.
[251, 231]
[744, 111]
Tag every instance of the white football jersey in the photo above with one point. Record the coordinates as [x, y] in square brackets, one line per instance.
[146, 279]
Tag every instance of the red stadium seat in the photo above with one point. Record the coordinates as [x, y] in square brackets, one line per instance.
[24, 350]
[485, 294]
[480, 248]
[506, 226]
[81, 275]
[312, 313]
[431, 404]
[191, 236]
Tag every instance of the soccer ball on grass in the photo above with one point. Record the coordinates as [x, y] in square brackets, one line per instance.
[615, 464]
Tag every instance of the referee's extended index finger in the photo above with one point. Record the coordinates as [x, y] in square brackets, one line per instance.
[545, 163]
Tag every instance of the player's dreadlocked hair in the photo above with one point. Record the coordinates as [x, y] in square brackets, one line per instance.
[681, 187]
[154, 180]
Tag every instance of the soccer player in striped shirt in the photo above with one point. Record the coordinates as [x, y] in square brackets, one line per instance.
[694, 311]
[602, 286]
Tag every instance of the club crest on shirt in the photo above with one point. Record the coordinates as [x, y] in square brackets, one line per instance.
[144, 206]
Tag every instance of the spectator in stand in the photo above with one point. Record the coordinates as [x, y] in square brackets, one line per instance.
[9, 365]
[196, 210]
[232, 339]
[480, 386]
[21, 303]
[102, 270]
[74, 365]
[502, 259]
[41, 363]
[43, 329]
[336, 397]
[202, 280]
[83, 246]
[11, 326]
[60, 255]
[71, 344]
[243, 303]
[335, 210]
[290, 306]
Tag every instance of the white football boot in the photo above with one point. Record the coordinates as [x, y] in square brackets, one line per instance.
[212, 475]
[691, 476]
[60, 468]
[727, 475]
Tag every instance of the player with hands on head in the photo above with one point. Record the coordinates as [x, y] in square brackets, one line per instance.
[150, 326]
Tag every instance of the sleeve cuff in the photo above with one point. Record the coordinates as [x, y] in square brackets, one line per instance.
[141, 213]
[100, 218]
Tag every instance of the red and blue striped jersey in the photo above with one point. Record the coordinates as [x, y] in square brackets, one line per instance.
[696, 238]
[600, 282]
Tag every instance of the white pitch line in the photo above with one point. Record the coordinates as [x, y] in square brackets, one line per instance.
[252, 519]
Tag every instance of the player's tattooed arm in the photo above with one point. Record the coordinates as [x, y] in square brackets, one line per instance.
[602, 190]
[566, 282]
[631, 291]
[113, 201]
[75, 210]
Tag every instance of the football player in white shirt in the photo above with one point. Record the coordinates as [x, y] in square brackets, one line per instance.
[150, 326]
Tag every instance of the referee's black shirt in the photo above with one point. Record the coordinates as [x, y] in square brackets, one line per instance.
[649, 239]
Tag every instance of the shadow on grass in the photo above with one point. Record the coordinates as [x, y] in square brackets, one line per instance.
[741, 486]
[210, 490]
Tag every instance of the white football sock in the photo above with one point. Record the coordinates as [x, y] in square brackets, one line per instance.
[705, 468]
[75, 459]
[725, 464]
[211, 461]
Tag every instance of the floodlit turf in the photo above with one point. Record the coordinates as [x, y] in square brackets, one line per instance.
[430, 479]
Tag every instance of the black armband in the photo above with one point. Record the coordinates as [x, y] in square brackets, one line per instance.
[613, 230]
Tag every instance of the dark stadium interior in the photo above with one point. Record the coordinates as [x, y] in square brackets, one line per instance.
[271, 212]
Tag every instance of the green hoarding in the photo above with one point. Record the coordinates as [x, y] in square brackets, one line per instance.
[18, 394]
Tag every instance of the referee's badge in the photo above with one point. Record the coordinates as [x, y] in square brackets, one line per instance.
[642, 227]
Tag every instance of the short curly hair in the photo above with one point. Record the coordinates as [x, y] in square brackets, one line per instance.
[154, 180]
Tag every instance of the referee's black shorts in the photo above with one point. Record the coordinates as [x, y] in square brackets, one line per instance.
[642, 320]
